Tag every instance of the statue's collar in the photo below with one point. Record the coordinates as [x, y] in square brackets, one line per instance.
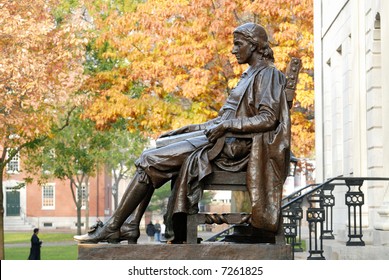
[255, 68]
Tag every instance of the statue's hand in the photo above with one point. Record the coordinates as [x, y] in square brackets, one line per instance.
[215, 132]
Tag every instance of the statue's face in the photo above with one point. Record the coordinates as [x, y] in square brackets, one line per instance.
[242, 49]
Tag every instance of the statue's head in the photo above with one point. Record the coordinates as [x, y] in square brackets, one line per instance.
[256, 35]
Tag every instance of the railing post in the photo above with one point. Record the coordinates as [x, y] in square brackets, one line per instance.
[315, 218]
[292, 223]
[354, 200]
[290, 228]
[328, 203]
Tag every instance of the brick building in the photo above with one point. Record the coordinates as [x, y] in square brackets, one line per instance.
[51, 205]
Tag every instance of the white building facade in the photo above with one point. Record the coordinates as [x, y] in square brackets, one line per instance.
[352, 106]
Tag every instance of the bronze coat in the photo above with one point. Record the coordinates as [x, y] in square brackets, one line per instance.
[263, 111]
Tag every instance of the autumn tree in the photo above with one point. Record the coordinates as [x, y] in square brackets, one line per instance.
[102, 70]
[173, 64]
[41, 67]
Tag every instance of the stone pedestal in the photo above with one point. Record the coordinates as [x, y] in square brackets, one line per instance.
[204, 251]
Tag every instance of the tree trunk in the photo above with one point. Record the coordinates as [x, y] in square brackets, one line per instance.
[79, 206]
[77, 202]
[2, 253]
[240, 202]
[115, 194]
[86, 204]
[78, 219]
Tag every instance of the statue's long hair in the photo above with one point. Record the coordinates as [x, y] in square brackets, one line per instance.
[256, 34]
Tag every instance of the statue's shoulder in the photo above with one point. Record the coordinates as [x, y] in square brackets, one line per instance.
[270, 71]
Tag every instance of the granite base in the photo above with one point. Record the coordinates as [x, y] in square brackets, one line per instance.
[204, 251]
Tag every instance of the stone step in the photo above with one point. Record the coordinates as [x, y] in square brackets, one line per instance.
[16, 224]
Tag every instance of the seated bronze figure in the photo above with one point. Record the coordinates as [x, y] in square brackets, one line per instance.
[257, 105]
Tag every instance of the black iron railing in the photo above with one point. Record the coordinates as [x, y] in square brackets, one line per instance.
[292, 217]
[221, 235]
[319, 213]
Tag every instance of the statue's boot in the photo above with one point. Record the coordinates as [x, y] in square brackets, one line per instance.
[99, 233]
[110, 231]
[130, 230]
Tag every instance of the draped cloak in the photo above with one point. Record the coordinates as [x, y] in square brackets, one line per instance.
[261, 109]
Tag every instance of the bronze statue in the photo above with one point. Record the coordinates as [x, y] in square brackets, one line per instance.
[256, 105]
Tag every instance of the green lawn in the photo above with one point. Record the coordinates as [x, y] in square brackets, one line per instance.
[24, 237]
[48, 252]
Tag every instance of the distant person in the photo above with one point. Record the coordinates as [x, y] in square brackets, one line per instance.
[162, 236]
[150, 231]
[35, 250]
[157, 235]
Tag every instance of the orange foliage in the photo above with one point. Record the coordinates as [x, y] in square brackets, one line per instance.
[179, 51]
[40, 66]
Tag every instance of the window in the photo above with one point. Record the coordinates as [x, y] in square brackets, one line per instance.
[84, 195]
[13, 165]
[48, 196]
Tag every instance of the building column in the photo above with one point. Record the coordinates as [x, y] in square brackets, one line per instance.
[319, 123]
[358, 46]
[382, 222]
